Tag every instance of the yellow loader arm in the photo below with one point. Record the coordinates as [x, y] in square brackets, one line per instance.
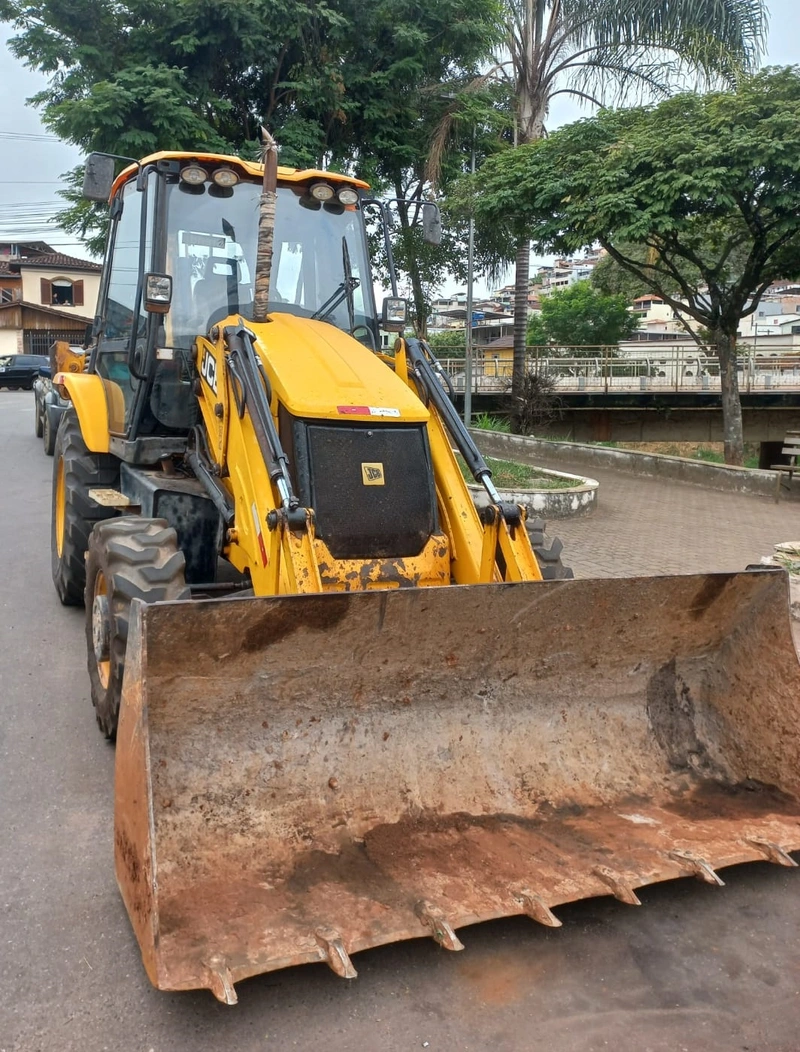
[251, 377]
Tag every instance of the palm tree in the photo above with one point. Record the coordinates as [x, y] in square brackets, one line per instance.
[608, 52]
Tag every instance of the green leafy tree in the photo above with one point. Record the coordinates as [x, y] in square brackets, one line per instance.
[611, 279]
[607, 52]
[448, 344]
[536, 336]
[580, 316]
[708, 184]
[354, 85]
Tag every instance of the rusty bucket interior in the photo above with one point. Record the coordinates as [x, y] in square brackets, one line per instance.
[301, 778]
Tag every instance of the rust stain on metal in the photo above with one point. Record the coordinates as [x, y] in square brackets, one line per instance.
[418, 766]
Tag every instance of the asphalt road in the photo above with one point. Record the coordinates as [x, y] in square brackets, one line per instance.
[695, 968]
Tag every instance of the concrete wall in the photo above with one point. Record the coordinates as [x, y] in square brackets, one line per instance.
[10, 341]
[593, 459]
[670, 425]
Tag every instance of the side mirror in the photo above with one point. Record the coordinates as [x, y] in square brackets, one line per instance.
[394, 314]
[98, 177]
[431, 224]
[157, 293]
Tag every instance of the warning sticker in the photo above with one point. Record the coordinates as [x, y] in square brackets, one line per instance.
[367, 410]
[261, 546]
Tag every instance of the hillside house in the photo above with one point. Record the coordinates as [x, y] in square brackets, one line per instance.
[45, 295]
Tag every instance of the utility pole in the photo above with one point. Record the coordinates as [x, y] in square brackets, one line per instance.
[468, 333]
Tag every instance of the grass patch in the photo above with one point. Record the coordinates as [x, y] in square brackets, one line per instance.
[488, 422]
[507, 474]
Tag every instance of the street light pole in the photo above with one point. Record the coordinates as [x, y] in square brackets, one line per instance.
[468, 333]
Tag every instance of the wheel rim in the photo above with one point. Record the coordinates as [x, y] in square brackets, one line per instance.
[61, 505]
[101, 630]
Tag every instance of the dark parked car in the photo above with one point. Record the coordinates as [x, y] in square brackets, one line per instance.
[49, 406]
[20, 370]
[48, 409]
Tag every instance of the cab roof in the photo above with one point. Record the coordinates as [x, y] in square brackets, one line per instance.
[252, 169]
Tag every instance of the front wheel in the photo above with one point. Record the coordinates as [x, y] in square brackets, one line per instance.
[128, 558]
[38, 413]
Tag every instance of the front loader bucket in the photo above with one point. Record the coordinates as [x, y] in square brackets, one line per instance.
[301, 778]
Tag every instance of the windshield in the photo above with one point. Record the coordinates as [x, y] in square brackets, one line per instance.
[211, 252]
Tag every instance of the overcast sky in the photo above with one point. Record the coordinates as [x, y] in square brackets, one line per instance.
[35, 159]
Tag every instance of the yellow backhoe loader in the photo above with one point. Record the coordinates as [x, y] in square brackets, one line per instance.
[348, 709]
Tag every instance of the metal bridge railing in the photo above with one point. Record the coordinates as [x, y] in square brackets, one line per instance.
[605, 369]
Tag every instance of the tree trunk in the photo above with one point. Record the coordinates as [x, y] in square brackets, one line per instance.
[530, 112]
[732, 429]
[420, 302]
[419, 318]
[520, 317]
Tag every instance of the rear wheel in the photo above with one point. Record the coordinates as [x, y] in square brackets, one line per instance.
[548, 553]
[75, 472]
[38, 412]
[128, 558]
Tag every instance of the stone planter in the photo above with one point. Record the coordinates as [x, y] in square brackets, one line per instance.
[579, 499]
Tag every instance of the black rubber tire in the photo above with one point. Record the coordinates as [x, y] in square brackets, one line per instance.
[131, 558]
[82, 471]
[38, 423]
[548, 552]
[48, 435]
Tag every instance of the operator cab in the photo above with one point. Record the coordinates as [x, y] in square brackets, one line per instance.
[194, 218]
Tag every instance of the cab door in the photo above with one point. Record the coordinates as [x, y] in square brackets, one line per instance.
[121, 354]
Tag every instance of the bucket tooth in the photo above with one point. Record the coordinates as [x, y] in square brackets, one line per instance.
[536, 908]
[620, 888]
[698, 866]
[771, 851]
[441, 929]
[333, 952]
[220, 981]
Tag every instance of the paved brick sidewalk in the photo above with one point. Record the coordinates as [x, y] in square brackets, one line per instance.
[655, 526]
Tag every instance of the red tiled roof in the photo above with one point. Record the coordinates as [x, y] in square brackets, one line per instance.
[57, 259]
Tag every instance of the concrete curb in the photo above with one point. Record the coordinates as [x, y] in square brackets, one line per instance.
[580, 499]
[577, 500]
[722, 477]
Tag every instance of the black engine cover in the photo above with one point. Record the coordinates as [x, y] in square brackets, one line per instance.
[371, 488]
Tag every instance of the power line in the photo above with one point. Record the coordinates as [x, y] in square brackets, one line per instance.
[30, 137]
